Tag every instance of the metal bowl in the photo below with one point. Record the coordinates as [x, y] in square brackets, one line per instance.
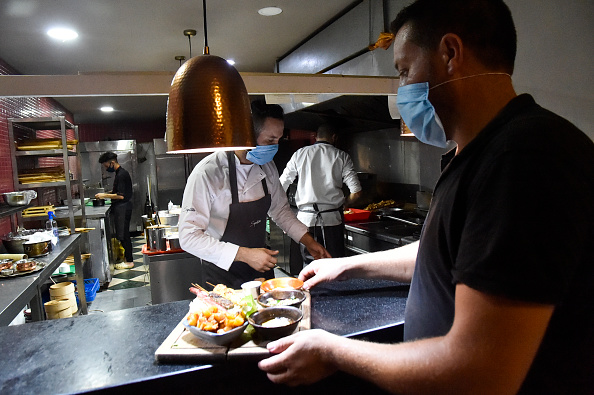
[21, 198]
[38, 248]
[168, 219]
[282, 297]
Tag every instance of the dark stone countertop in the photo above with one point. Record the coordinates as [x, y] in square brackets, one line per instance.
[114, 352]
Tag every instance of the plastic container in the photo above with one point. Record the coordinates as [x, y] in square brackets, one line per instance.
[91, 287]
[52, 226]
[356, 214]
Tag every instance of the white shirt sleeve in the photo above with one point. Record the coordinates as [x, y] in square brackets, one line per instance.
[205, 210]
[289, 173]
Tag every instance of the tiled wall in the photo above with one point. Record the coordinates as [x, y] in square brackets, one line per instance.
[21, 108]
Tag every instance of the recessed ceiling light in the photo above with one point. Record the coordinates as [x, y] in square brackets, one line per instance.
[62, 34]
[107, 109]
[231, 62]
[269, 11]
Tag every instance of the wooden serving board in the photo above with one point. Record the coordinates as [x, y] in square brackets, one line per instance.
[181, 346]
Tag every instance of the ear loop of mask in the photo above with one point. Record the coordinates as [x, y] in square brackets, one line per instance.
[468, 76]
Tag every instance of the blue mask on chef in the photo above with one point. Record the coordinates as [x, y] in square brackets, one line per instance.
[262, 154]
[111, 168]
[418, 113]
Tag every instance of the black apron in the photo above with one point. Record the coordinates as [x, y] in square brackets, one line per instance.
[246, 227]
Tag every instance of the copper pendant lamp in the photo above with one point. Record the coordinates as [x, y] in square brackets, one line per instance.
[208, 107]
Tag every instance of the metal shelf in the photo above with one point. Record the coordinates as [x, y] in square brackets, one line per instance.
[47, 152]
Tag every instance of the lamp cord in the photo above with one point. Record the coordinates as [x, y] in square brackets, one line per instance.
[206, 51]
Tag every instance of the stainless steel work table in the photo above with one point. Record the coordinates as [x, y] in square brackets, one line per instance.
[17, 292]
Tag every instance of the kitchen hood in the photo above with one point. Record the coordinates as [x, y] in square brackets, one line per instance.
[349, 113]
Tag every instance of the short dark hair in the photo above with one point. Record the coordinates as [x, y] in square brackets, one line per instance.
[107, 156]
[261, 111]
[485, 26]
[326, 131]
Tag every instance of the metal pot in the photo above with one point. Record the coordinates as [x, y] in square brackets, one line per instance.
[98, 202]
[174, 242]
[21, 198]
[38, 248]
[168, 219]
[156, 238]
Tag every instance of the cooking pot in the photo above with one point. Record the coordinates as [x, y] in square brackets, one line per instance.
[174, 242]
[21, 198]
[168, 219]
[37, 248]
[98, 202]
[156, 237]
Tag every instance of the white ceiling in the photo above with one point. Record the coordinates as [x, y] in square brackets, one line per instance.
[146, 35]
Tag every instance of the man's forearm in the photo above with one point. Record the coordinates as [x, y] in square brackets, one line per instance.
[396, 264]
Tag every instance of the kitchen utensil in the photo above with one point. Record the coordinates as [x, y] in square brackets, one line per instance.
[156, 238]
[98, 202]
[282, 297]
[21, 198]
[168, 219]
[391, 213]
[173, 241]
[281, 282]
[252, 288]
[219, 339]
[37, 248]
[260, 318]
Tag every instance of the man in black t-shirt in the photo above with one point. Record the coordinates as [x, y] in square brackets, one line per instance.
[121, 204]
[501, 299]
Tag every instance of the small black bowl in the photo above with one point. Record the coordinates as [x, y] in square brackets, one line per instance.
[272, 333]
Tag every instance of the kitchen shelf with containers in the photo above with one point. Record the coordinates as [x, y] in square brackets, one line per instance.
[43, 159]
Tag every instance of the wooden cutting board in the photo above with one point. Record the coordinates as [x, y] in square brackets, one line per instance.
[183, 347]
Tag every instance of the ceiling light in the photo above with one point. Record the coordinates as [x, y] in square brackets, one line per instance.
[231, 62]
[269, 11]
[107, 109]
[208, 107]
[62, 34]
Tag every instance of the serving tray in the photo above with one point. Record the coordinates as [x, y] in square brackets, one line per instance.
[183, 347]
[40, 266]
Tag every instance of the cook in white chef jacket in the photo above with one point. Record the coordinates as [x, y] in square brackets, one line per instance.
[227, 233]
[321, 170]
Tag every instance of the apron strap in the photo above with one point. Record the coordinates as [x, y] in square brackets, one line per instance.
[232, 177]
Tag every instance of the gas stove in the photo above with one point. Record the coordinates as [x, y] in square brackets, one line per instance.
[383, 234]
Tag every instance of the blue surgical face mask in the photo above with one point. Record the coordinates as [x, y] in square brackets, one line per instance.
[262, 154]
[418, 113]
[111, 168]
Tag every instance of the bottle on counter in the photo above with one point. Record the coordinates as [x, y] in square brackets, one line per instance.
[148, 208]
[52, 226]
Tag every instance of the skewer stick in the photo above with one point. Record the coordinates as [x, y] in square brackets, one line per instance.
[212, 285]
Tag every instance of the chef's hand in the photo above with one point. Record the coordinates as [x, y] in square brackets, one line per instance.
[300, 358]
[100, 195]
[322, 271]
[316, 250]
[260, 259]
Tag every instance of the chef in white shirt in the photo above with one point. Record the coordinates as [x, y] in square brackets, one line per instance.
[321, 170]
[225, 204]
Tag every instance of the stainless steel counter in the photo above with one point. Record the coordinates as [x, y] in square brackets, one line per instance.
[16, 292]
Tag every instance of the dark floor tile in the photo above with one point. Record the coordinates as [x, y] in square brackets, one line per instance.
[131, 273]
[127, 285]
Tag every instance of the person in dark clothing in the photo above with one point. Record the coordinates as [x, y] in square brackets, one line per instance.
[496, 306]
[121, 204]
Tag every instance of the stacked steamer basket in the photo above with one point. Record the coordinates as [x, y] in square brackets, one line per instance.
[62, 302]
